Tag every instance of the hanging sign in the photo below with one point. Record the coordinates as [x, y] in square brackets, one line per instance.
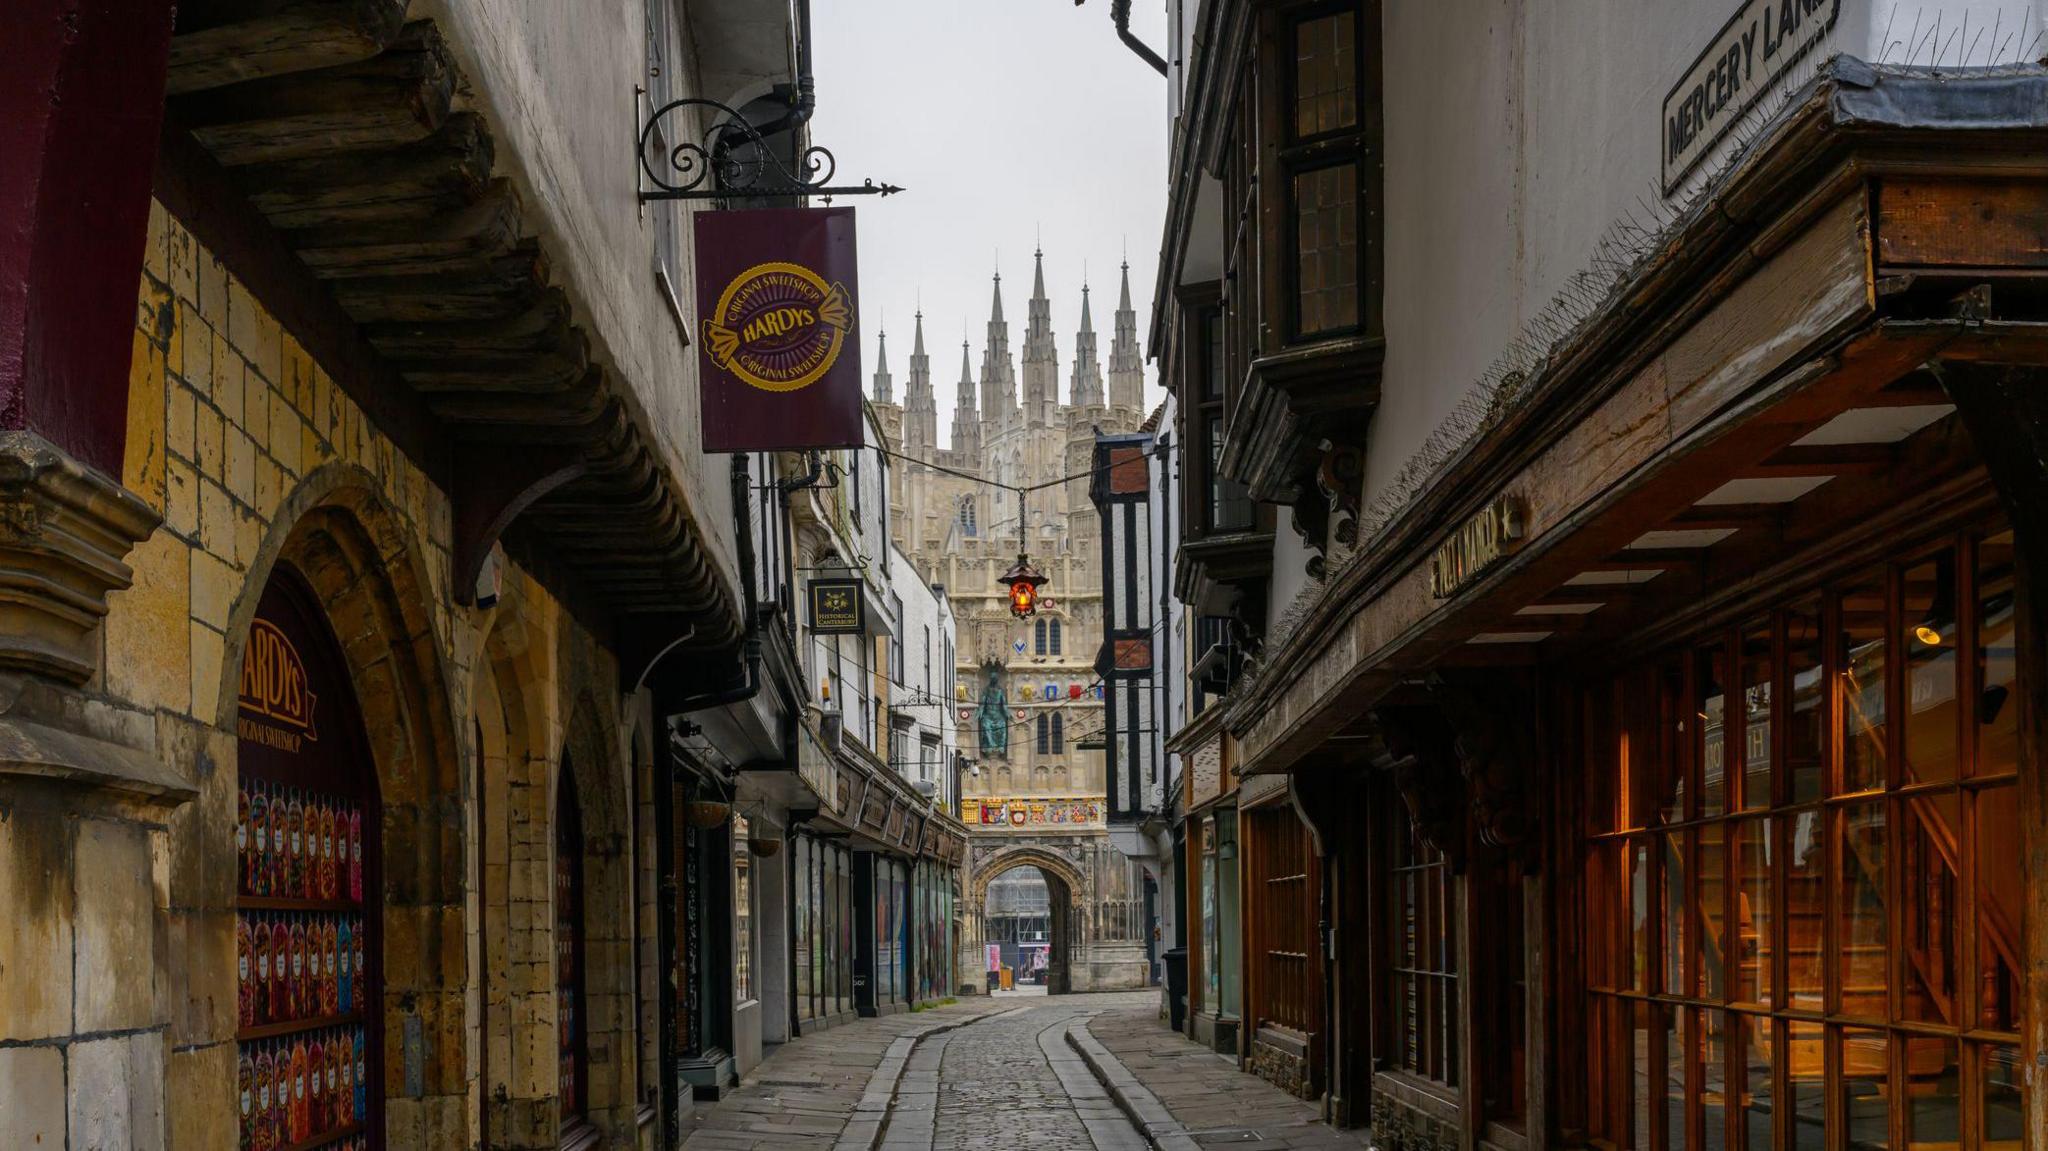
[837, 607]
[1743, 62]
[777, 297]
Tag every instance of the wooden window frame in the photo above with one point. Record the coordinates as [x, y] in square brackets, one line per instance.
[1909, 810]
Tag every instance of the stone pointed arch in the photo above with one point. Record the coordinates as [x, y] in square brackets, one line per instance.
[1058, 869]
[373, 578]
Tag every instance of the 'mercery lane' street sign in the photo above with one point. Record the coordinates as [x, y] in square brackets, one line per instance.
[1744, 61]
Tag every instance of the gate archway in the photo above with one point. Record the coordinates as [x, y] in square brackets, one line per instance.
[1064, 885]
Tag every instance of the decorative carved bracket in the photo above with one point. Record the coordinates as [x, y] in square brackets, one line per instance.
[1425, 771]
[65, 534]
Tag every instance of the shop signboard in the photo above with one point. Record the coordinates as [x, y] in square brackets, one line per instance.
[836, 607]
[777, 301]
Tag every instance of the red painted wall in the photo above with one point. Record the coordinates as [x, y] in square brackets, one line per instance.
[81, 102]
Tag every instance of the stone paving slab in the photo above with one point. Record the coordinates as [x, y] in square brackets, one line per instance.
[1185, 1097]
[825, 1090]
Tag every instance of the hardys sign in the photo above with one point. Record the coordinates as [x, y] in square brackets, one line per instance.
[777, 297]
[1752, 52]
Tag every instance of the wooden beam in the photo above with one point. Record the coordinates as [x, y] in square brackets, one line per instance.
[1934, 222]
[1823, 460]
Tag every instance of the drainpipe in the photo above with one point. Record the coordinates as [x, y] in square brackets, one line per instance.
[1120, 15]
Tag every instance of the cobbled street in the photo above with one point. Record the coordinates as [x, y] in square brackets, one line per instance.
[1000, 1071]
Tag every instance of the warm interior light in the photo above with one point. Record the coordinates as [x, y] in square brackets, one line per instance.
[1927, 635]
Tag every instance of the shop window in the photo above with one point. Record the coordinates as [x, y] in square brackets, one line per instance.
[742, 914]
[308, 928]
[805, 897]
[1827, 904]
[1425, 961]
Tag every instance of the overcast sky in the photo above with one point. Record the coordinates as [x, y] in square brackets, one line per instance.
[1007, 121]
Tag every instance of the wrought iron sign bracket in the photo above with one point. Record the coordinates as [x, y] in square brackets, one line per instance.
[681, 166]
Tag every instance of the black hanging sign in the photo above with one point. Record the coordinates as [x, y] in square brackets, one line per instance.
[837, 607]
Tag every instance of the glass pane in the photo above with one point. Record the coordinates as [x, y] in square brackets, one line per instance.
[1931, 905]
[1677, 1055]
[1643, 1092]
[1757, 1062]
[1672, 921]
[1326, 249]
[1713, 1077]
[1756, 716]
[1999, 1068]
[802, 860]
[1865, 1098]
[1325, 74]
[1863, 926]
[1934, 1098]
[1862, 654]
[1998, 707]
[1755, 946]
[1999, 888]
[1710, 709]
[1212, 366]
[1711, 890]
[1808, 1085]
[1668, 780]
[1928, 606]
[1806, 911]
[1638, 894]
[1806, 735]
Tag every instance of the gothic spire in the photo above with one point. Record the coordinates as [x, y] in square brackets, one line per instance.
[998, 371]
[1126, 365]
[966, 422]
[1085, 385]
[1041, 354]
[920, 408]
[884, 390]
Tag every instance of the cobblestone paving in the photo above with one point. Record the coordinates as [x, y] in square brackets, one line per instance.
[803, 1094]
[1012, 1081]
[983, 1073]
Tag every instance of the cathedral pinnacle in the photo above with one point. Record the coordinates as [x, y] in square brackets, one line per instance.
[884, 386]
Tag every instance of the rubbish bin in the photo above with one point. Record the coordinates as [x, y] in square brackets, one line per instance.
[1177, 987]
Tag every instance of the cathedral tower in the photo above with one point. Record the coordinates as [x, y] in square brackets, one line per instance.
[920, 407]
[1085, 386]
[1041, 354]
[1126, 365]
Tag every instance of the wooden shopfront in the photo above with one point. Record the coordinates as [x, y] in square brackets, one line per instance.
[1743, 714]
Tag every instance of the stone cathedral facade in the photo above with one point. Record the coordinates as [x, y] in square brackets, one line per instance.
[1027, 697]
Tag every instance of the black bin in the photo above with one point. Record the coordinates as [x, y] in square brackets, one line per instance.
[1177, 987]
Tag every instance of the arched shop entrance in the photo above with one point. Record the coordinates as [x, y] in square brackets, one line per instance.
[349, 890]
[1024, 906]
[308, 922]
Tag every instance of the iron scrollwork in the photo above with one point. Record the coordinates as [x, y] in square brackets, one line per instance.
[733, 160]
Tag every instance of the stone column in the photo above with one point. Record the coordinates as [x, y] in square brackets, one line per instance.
[87, 939]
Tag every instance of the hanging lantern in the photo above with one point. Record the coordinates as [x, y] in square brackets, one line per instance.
[1024, 581]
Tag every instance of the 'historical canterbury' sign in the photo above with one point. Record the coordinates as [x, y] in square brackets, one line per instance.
[1478, 544]
[777, 297]
[838, 607]
[1751, 53]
